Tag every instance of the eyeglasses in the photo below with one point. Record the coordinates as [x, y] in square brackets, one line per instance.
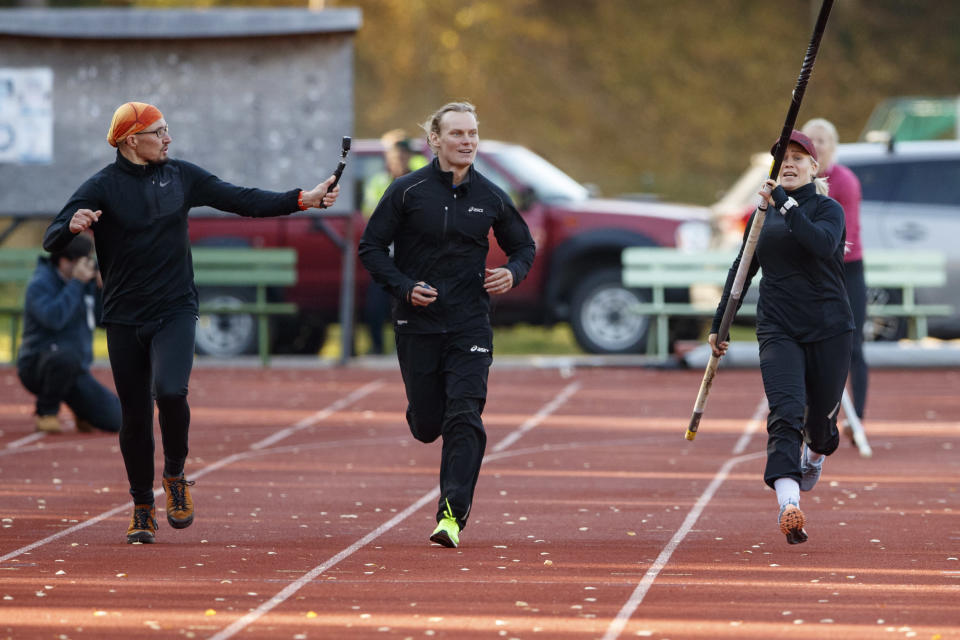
[160, 133]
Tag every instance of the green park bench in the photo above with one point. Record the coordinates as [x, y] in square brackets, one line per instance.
[16, 267]
[259, 269]
[247, 267]
[658, 269]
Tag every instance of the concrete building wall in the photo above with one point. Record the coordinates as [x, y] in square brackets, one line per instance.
[260, 99]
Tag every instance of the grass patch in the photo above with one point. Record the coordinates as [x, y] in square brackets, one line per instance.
[521, 339]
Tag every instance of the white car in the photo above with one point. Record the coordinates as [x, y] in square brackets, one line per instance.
[911, 200]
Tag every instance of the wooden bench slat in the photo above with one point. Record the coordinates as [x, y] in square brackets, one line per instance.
[17, 274]
[219, 266]
[242, 258]
[657, 269]
[272, 308]
[244, 278]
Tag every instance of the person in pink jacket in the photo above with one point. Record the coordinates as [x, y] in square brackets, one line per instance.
[845, 189]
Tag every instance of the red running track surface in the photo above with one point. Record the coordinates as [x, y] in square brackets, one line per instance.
[593, 518]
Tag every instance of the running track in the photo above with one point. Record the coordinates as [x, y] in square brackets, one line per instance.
[593, 517]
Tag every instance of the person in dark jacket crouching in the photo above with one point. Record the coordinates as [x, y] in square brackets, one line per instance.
[137, 208]
[804, 326]
[61, 311]
[439, 218]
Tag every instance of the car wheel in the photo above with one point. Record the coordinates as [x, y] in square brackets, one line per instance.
[226, 335]
[884, 328]
[601, 314]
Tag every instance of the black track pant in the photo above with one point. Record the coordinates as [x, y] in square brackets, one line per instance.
[58, 376]
[857, 292]
[152, 362]
[803, 383]
[445, 376]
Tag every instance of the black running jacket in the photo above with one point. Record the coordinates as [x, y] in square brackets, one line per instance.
[142, 240]
[803, 291]
[440, 233]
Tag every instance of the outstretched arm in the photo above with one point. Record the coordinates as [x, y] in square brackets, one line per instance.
[321, 194]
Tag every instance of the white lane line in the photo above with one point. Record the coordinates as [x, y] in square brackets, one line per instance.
[243, 455]
[284, 594]
[86, 523]
[310, 420]
[620, 621]
[539, 417]
[323, 414]
[752, 427]
[25, 440]
[433, 494]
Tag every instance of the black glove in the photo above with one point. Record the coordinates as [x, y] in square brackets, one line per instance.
[782, 201]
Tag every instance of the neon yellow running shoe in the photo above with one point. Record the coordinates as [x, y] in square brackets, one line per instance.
[447, 532]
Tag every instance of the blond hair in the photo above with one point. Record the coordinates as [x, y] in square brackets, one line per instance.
[822, 187]
[824, 124]
[432, 124]
[820, 183]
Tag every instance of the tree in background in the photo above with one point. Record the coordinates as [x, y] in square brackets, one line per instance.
[636, 95]
[628, 94]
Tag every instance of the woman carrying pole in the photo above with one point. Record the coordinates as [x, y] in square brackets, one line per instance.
[804, 326]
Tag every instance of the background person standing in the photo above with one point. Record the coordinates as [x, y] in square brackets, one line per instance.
[844, 187]
[399, 159]
[438, 219]
[137, 207]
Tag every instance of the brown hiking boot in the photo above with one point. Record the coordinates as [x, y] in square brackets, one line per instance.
[49, 424]
[179, 502]
[143, 523]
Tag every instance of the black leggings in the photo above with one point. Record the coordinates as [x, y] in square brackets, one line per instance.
[803, 382]
[152, 362]
[857, 292]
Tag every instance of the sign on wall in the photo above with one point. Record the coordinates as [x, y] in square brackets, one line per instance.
[26, 115]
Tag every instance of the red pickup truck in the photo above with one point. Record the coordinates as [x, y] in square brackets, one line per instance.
[576, 276]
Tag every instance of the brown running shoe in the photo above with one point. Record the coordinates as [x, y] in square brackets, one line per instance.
[791, 523]
[143, 523]
[179, 502]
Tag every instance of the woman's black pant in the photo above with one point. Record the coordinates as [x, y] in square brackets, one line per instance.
[152, 363]
[803, 383]
[857, 292]
[445, 376]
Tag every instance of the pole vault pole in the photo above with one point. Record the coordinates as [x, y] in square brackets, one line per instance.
[746, 257]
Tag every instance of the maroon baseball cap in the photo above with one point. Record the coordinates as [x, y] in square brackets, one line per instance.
[801, 140]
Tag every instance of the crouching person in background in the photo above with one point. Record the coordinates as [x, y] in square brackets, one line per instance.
[62, 309]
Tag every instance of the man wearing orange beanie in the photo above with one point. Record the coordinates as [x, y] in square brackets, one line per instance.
[137, 208]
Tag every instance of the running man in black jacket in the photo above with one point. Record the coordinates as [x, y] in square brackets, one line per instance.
[439, 218]
[137, 208]
[804, 327]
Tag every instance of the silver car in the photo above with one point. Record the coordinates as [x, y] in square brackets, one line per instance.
[911, 201]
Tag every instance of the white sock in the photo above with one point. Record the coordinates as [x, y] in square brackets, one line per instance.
[814, 458]
[788, 491]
